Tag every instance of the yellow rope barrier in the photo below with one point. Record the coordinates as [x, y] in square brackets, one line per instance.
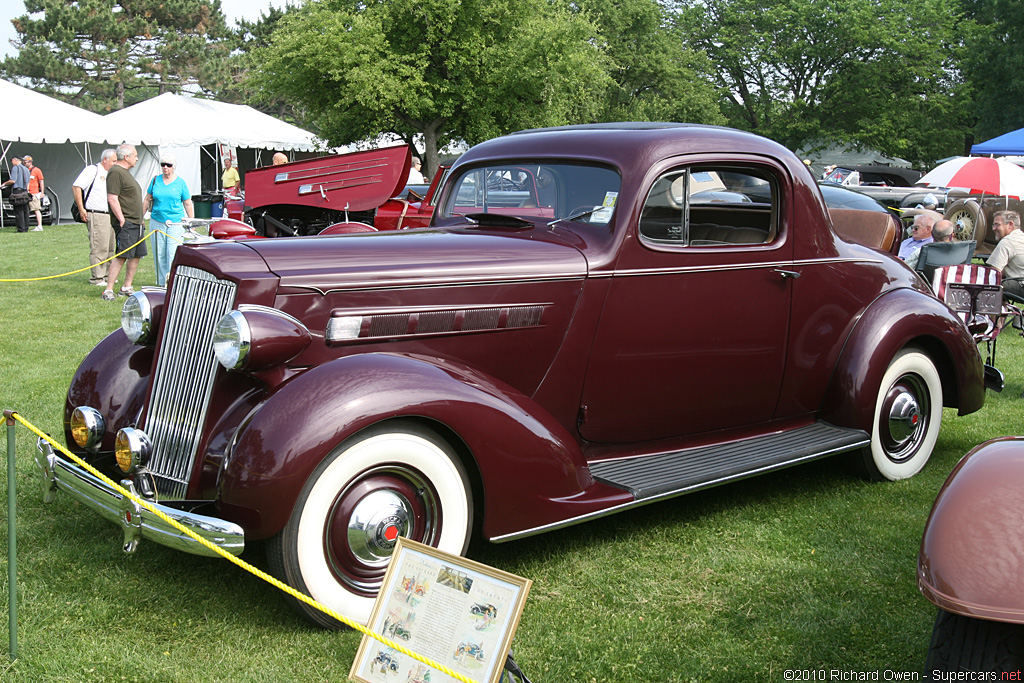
[239, 562]
[82, 270]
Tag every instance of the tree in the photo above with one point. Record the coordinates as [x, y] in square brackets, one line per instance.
[105, 54]
[249, 37]
[656, 77]
[442, 69]
[879, 73]
[994, 63]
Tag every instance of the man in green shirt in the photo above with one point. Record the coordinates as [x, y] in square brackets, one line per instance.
[124, 195]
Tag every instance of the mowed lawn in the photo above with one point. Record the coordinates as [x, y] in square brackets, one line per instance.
[810, 568]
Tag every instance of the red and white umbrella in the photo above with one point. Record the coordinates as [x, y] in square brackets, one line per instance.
[980, 175]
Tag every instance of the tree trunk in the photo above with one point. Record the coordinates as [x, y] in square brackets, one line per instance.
[432, 159]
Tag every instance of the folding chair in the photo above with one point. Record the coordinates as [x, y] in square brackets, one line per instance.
[975, 294]
[937, 254]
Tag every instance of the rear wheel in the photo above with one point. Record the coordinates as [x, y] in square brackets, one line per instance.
[908, 414]
[962, 643]
[402, 480]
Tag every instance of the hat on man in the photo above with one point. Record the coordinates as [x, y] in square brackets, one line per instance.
[27, 157]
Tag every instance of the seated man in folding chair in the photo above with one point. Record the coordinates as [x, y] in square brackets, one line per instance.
[1008, 255]
[941, 232]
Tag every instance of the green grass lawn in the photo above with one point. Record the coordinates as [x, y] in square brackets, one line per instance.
[808, 568]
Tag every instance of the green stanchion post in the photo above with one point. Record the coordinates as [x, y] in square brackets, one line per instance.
[12, 542]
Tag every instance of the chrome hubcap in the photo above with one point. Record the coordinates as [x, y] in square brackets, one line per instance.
[904, 418]
[375, 525]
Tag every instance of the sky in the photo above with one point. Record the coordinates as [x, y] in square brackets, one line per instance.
[233, 11]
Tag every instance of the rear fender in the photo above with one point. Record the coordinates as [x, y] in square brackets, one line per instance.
[900, 318]
[971, 561]
[526, 461]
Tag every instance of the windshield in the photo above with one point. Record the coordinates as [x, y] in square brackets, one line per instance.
[547, 191]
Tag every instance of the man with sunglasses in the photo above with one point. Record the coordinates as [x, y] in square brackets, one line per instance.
[124, 195]
[920, 235]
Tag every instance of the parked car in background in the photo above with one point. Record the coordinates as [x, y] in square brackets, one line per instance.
[49, 204]
[893, 186]
[970, 565]
[597, 318]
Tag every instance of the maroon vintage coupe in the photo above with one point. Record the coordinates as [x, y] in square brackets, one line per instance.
[598, 317]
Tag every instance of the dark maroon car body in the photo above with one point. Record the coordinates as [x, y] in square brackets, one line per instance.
[564, 366]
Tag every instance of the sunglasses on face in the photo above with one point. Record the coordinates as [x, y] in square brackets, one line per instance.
[166, 165]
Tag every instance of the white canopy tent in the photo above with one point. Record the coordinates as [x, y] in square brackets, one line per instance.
[63, 138]
[60, 137]
[182, 125]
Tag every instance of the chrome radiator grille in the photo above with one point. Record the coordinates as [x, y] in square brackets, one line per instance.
[183, 380]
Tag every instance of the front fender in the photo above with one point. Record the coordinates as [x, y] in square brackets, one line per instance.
[113, 378]
[895, 320]
[526, 460]
[972, 558]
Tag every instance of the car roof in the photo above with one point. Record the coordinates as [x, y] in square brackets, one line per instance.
[632, 147]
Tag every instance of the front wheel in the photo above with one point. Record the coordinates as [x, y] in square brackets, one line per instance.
[401, 480]
[908, 414]
[962, 643]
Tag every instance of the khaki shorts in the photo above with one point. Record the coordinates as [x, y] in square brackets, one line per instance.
[34, 204]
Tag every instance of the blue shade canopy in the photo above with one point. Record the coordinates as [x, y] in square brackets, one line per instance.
[1008, 144]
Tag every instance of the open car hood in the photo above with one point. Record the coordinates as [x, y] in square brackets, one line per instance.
[357, 181]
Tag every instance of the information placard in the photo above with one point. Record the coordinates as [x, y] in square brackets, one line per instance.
[454, 611]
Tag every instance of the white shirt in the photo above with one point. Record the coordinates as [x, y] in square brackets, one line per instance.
[415, 177]
[97, 197]
[1008, 254]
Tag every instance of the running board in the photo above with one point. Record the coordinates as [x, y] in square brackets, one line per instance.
[667, 474]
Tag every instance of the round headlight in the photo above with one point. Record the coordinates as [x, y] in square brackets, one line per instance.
[132, 448]
[87, 427]
[232, 340]
[137, 318]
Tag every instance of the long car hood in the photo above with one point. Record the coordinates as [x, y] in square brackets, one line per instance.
[408, 258]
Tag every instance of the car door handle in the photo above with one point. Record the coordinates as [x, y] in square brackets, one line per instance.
[787, 273]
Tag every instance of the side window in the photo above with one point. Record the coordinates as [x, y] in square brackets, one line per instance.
[711, 206]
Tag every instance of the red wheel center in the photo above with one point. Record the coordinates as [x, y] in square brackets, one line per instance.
[391, 533]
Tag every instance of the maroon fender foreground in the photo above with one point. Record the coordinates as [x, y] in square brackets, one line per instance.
[596, 318]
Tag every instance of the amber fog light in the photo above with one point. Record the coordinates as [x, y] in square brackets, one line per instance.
[132, 449]
[87, 427]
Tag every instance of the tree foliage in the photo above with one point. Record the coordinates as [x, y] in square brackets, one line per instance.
[106, 54]
[655, 75]
[250, 37]
[994, 63]
[881, 73]
[443, 69]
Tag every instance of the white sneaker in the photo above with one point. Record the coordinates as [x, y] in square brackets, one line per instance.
[38, 228]
[102, 283]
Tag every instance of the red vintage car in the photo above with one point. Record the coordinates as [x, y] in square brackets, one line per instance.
[361, 191]
[597, 318]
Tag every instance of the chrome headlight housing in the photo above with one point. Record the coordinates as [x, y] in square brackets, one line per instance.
[232, 340]
[257, 337]
[132, 449]
[140, 315]
[87, 427]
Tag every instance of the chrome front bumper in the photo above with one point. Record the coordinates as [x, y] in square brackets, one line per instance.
[136, 521]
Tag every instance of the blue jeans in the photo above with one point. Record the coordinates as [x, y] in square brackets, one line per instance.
[163, 254]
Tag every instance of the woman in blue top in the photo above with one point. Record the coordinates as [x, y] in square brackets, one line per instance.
[171, 201]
